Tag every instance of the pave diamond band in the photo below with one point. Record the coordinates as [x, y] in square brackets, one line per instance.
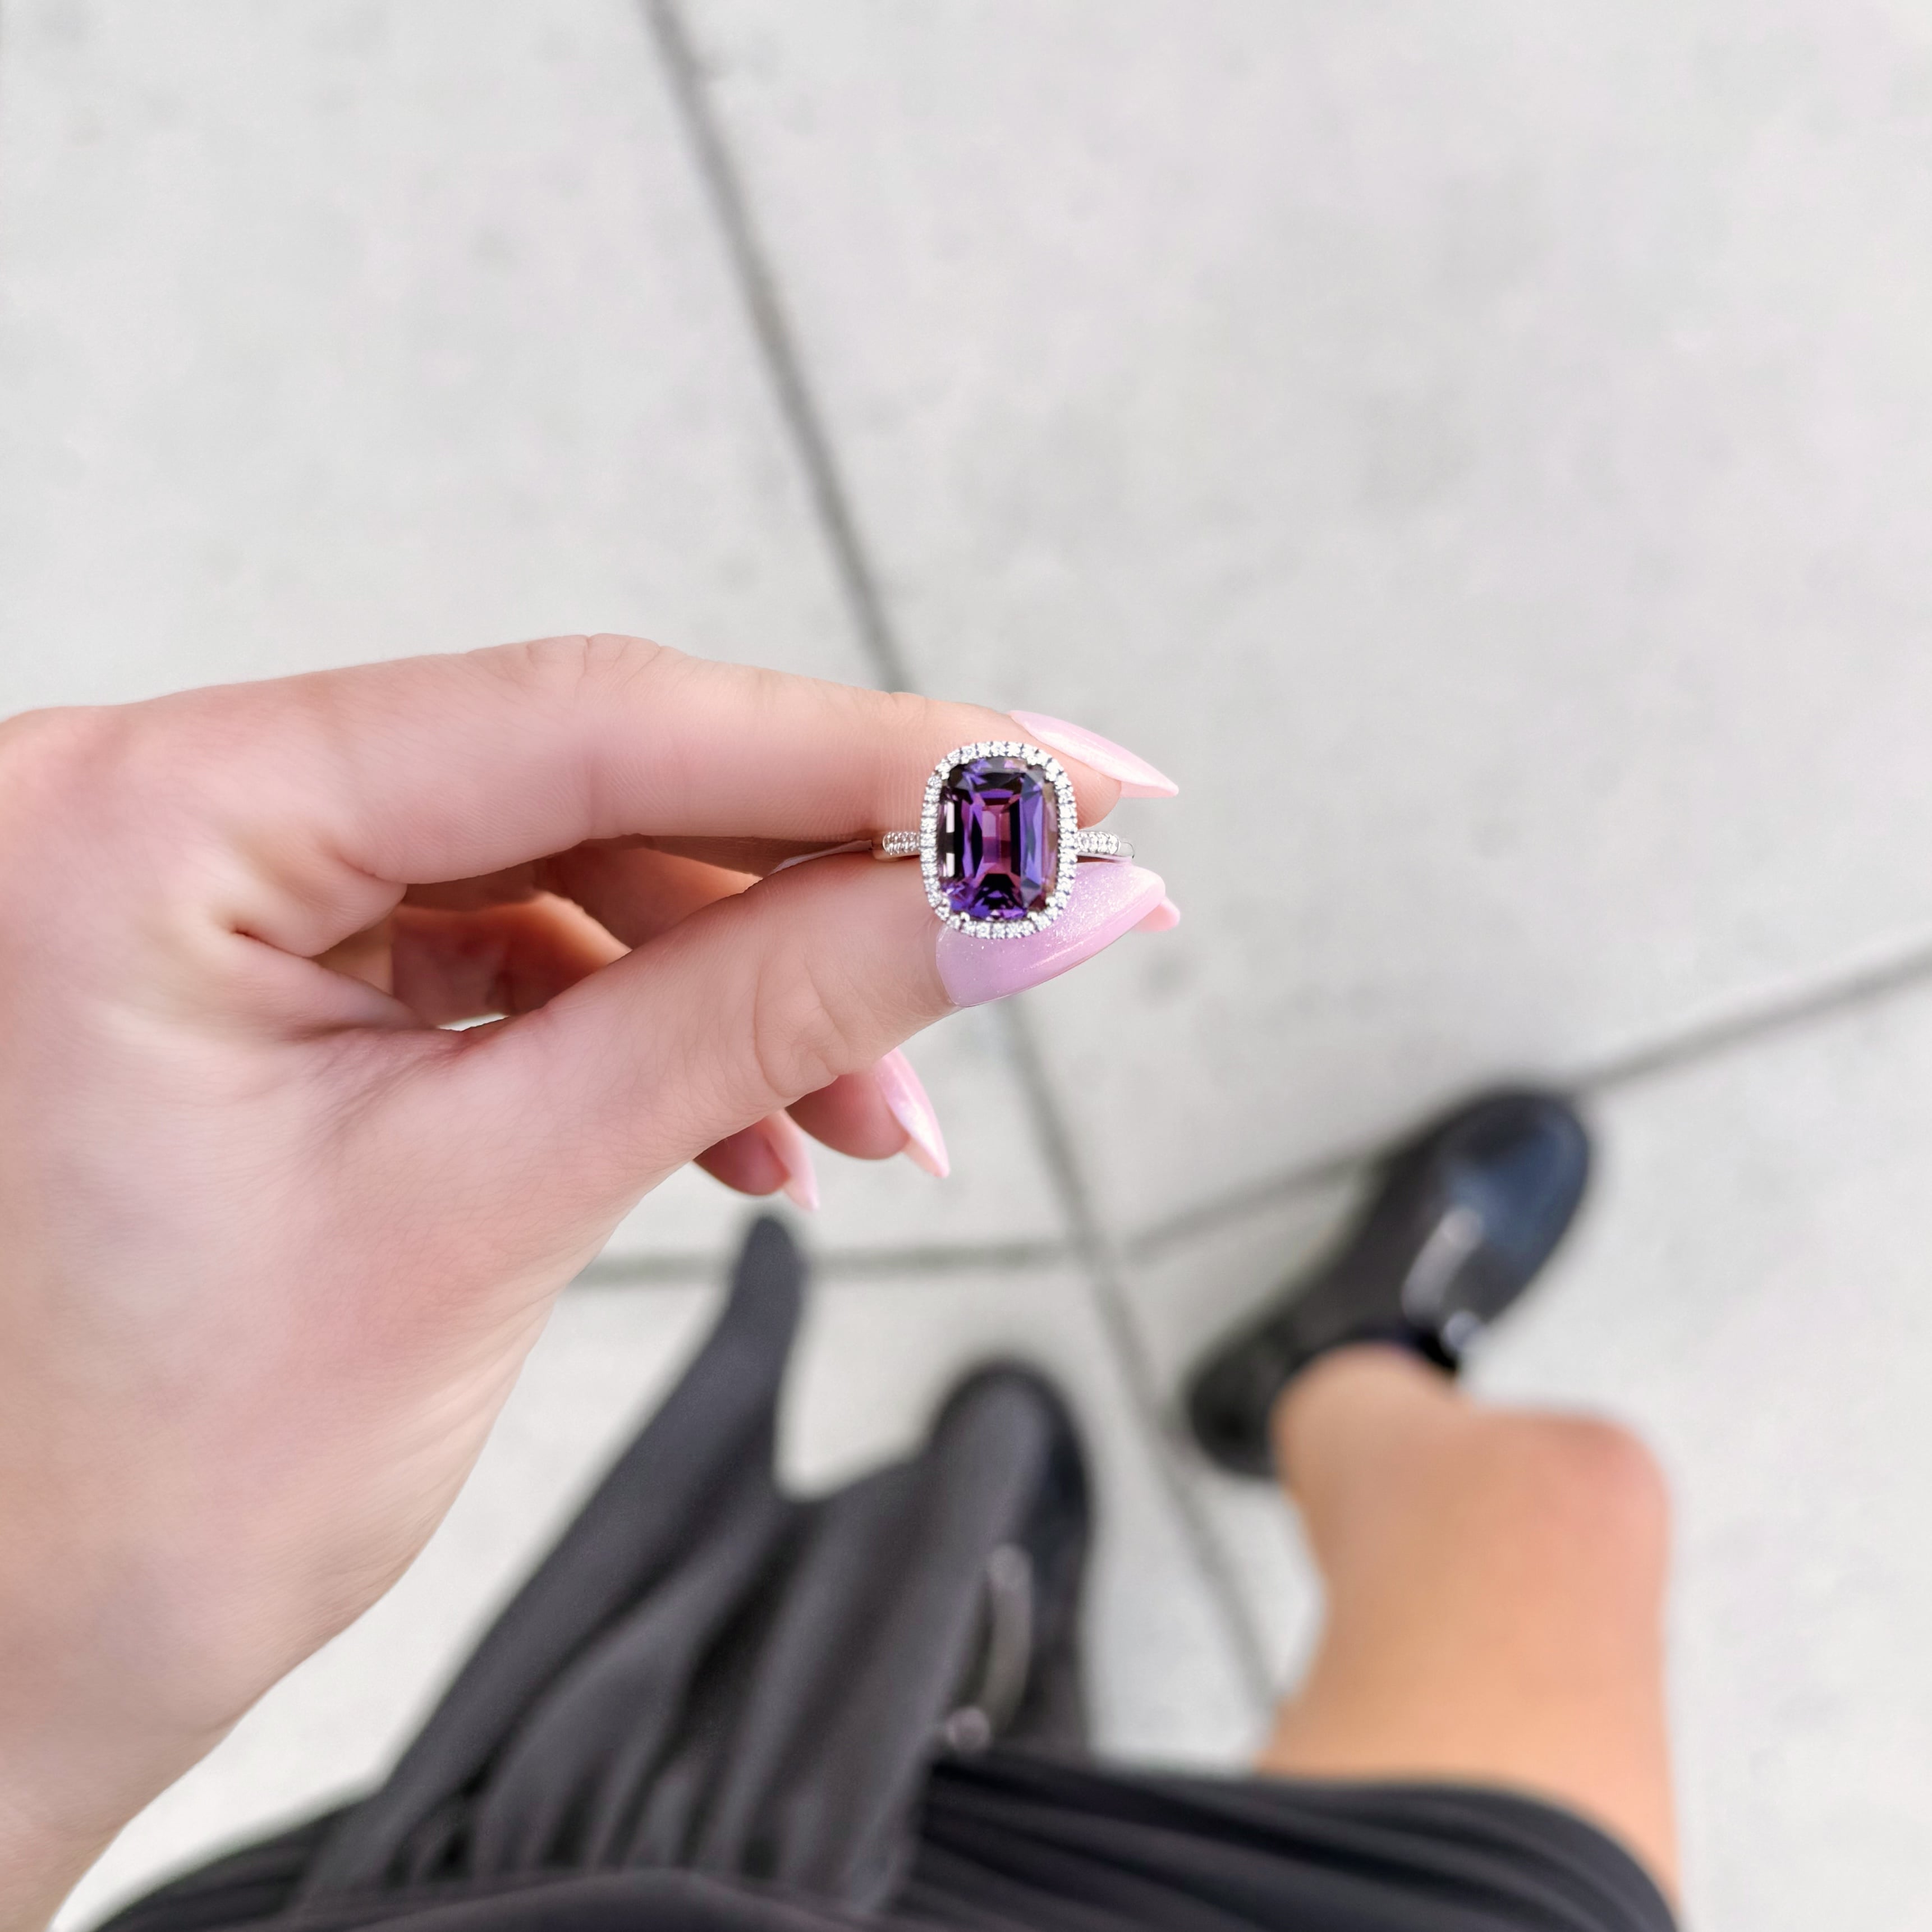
[1086, 845]
[999, 839]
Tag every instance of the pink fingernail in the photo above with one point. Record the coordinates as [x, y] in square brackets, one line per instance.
[900, 1088]
[1108, 899]
[1164, 918]
[1138, 779]
[786, 1139]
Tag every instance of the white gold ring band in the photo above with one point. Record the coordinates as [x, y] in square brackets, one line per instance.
[1086, 844]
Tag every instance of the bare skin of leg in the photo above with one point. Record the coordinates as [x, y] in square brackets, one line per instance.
[1494, 1583]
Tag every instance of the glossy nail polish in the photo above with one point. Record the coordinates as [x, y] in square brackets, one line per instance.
[1137, 777]
[1107, 901]
[900, 1089]
[786, 1139]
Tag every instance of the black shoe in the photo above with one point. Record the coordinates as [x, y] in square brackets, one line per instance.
[1467, 1213]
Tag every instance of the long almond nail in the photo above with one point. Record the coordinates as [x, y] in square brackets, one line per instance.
[1164, 918]
[1108, 899]
[900, 1088]
[786, 1139]
[1138, 778]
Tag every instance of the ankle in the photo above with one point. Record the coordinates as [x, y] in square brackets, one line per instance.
[1363, 1388]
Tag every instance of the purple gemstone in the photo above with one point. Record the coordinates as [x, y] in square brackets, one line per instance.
[999, 839]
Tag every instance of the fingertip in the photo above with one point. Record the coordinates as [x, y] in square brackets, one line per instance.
[786, 1141]
[1108, 901]
[1131, 773]
[745, 1162]
[904, 1093]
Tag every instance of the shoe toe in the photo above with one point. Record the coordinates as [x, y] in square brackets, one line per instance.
[1523, 1167]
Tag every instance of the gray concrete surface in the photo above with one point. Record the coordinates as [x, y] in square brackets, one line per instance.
[1484, 453]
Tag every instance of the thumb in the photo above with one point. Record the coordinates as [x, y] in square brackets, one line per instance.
[740, 1010]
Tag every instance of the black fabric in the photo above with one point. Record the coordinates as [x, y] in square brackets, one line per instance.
[707, 1674]
[715, 1706]
[1012, 1839]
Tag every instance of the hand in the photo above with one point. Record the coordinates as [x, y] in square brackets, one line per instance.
[273, 1242]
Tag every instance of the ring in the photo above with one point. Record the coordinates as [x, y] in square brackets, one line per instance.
[998, 839]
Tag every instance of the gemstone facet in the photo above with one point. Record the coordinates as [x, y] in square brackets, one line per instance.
[998, 838]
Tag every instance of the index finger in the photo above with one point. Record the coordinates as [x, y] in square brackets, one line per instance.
[439, 768]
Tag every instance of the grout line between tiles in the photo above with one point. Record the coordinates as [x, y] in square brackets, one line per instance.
[1204, 1217]
[831, 503]
[1754, 1021]
[1694, 1045]
[858, 581]
[676, 1268]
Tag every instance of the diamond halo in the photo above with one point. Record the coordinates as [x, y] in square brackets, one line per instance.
[1049, 768]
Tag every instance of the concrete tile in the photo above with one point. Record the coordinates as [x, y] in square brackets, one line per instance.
[346, 331]
[350, 330]
[1186, 1293]
[1477, 451]
[330, 1728]
[1749, 1288]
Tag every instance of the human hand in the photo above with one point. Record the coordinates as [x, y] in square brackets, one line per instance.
[273, 1241]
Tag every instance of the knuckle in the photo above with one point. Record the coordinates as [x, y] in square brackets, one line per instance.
[48, 760]
[895, 720]
[143, 788]
[800, 1040]
[578, 666]
[188, 772]
[30, 742]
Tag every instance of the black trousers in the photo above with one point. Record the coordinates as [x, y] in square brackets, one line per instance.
[715, 1706]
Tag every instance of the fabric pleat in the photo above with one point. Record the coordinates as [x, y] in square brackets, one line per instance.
[717, 1708]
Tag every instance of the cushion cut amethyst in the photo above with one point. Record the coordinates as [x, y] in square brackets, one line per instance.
[999, 839]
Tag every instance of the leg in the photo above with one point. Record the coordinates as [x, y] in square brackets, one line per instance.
[1494, 1583]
